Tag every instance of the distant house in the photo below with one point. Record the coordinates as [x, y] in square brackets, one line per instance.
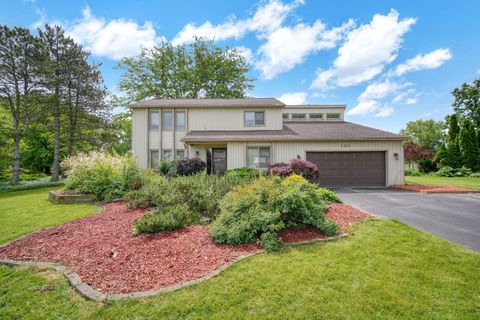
[257, 132]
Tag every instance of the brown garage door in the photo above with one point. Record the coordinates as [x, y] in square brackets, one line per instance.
[350, 169]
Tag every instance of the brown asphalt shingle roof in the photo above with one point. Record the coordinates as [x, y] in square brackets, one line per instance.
[298, 131]
[243, 102]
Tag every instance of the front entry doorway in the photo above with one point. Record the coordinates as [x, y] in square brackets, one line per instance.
[217, 160]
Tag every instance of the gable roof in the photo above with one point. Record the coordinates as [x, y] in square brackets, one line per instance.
[204, 102]
[298, 131]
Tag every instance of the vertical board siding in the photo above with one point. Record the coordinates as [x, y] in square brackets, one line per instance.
[140, 136]
[236, 155]
[167, 139]
[230, 119]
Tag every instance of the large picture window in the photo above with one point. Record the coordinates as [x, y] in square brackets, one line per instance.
[254, 118]
[153, 122]
[258, 157]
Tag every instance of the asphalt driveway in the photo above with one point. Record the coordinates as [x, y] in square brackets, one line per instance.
[455, 217]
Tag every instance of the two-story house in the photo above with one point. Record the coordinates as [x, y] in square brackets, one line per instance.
[257, 132]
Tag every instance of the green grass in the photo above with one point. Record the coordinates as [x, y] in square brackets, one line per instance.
[464, 182]
[22, 212]
[383, 270]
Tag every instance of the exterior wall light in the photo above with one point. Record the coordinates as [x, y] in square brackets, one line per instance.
[395, 155]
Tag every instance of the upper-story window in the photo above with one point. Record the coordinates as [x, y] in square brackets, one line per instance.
[166, 120]
[153, 122]
[254, 118]
[315, 116]
[286, 116]
[333, 116]
[299, 116]
[180, 120]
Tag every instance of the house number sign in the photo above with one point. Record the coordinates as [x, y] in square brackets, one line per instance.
[345, 145]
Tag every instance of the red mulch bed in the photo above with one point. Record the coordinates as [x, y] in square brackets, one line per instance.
[103, 251]
[432, 189]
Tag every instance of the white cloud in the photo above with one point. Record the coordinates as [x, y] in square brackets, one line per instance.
[246, 53]
[366, 51]
[430, 60]
[113, 39]
[268, 17]
[293, 98]
[288, 46]
[370, 100]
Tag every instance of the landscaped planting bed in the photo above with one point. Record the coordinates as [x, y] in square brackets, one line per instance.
[105, 254]
[433, 189]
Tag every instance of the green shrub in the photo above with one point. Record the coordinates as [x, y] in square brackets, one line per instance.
[463, 172]
[243, 173]
[105, 175]
[413, 172]
[164, 219]
[266, 206]
[475, 175]
[166, 166]
[426, 165]
[270, 241]
[25, 175]
[328, 195]
[445, 171]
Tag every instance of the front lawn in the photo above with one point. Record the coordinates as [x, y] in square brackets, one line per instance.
[463, 182]
[383, 270]
[22, 212]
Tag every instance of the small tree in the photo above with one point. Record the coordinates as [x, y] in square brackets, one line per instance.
[441, 155]
[425, 133]
[413, 152]
[469, 145]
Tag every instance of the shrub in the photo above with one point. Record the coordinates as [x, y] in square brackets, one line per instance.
[270, 241]
[306, 169]
[280, 169]
[426, 165]
[190, 166]
[265, 206]
[328, 195]
[463, 172]
[412, 172]
[475, 175]
[105, 175]
[164, 219]
[243, 173]
[165, 166]
[445, 171]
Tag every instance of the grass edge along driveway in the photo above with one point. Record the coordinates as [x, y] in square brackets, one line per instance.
[383, 270]
[463, 182]
[23, 212]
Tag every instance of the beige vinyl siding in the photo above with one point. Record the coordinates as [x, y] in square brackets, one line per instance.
[230, 119]
[154, 140]
[236, 155]
[140, 136]
[284, 151]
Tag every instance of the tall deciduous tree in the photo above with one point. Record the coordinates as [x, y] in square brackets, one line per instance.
[468, 145]
[19, 60]
[425, 133]
[413, 152]
[199, 70]
[467, 102]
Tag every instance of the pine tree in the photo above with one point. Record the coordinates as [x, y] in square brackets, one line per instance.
[441, 155]
[453, 158]
[469, 145]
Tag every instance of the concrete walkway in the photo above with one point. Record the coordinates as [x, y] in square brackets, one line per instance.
[455, 217]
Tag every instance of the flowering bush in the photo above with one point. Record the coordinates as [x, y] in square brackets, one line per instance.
[304, 168]
[105, 175]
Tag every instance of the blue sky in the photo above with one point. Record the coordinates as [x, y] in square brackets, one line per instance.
[389, 61]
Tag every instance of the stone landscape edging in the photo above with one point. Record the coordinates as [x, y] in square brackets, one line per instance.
[466, 190]
[93, 294]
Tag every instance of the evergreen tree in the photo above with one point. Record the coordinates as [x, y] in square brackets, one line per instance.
[469, 145]
[441, 155]
[453, 158]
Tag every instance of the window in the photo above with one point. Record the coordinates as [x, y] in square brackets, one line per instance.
[153, 122]
[180, 154]
[180, 120]
[333, 116]
[299, 116]
[154, 159]
[258, 157]
[285, 116]
[167, 120]
[254, 118]
[166, 154]
[315, 116]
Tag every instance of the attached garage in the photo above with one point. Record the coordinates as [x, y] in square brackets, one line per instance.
[350, 169]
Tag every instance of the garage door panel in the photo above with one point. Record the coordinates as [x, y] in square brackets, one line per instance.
[340, 169]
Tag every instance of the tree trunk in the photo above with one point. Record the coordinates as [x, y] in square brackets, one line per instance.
[16, 152]
[56, 148]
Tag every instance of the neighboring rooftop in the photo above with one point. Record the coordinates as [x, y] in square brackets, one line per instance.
[203, 102]
[298, 131]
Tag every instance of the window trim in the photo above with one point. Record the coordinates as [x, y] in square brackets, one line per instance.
[254, 117]
[164, 128]
[339, 116]
[184, 120]
[296, 119]
[258, 150]
[322, 117]
[150, 113]
[287, 118]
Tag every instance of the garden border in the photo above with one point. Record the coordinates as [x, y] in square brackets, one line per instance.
[93, 294]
